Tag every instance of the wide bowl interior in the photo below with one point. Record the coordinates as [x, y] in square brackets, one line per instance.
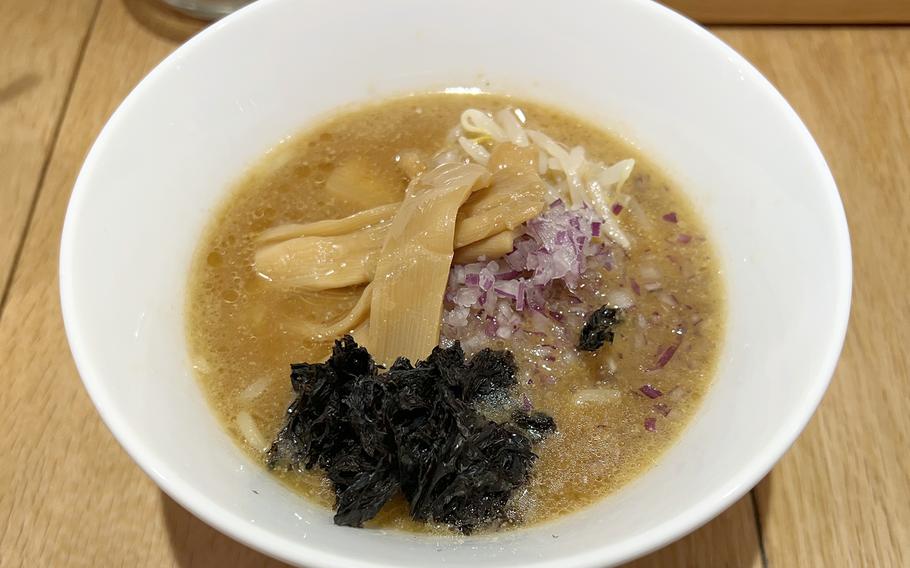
[170, 153]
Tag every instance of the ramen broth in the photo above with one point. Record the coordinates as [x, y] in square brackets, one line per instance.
[617, 409]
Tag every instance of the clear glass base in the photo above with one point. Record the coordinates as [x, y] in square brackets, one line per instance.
[207, 9]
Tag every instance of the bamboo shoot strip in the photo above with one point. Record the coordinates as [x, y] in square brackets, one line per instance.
[486, 249]
[358, 315]
[342, 252]
[413, 267]
[323, 263]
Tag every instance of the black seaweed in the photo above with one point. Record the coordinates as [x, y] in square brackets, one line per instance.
[412, 428]
[599, 328]
[537, 424]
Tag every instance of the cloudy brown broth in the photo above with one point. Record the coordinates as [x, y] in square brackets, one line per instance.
[243, 333]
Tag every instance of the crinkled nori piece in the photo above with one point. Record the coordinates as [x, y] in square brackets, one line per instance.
[599, 328]
[537, 424]
[411, 428]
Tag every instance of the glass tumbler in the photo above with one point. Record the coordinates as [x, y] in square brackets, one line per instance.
[207, 9]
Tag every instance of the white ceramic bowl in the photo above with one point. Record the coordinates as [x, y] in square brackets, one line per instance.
[168, 155]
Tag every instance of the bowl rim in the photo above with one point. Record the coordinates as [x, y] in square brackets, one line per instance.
[660, 534]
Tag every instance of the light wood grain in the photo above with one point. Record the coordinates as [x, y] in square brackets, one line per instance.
[729, 540]
[794, 11]
[70, 496]
[40, 46]
[75, 497]
[841, 497]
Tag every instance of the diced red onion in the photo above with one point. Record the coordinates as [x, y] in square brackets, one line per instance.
[457, 276]
[526, 403]
[472, 279]
[467, 297]
[457, 317]
[683, 238]
[486, 280]
[616, 209]
[507, 288]
[520, 296]
[595, 229]
[651, 424]
[670, 217]
[650, 391]
[665, 357]
[635, 287]
[652, 286]
[662, 408]
[489, 303]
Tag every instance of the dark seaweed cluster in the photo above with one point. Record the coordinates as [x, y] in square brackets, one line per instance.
[410, 428]
[599, 328]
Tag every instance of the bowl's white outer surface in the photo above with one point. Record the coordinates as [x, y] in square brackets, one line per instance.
[167, 157]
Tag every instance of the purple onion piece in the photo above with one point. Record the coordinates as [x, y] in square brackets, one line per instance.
[683, 239]
[670, 217]
[662, 408]
[526, 403]
[616, 209]
[651, 424]
[665, 357]
[650, 391]
[486, 281]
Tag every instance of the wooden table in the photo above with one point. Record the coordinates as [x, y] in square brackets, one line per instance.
[70, 496]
